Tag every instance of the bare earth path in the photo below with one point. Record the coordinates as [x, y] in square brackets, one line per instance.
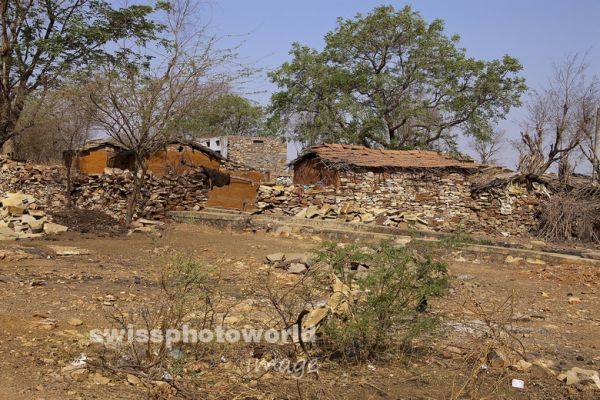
[42, 297]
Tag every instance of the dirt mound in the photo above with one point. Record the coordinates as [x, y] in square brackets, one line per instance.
[88, 221]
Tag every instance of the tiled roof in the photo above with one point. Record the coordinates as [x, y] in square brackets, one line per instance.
[360, 156]
[99, 143]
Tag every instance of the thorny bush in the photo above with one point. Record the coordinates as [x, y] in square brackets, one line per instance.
[189, 293]
[389, 289]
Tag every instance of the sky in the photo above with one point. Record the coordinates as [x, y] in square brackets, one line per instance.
[536, 32]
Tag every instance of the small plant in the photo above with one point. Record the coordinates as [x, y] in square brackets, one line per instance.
[389, 290]
[187, 288]
[457, 239]
[493, 342]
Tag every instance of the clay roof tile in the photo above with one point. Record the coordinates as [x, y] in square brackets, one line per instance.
[360, 156]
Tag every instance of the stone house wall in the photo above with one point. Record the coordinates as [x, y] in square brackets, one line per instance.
[262, 153]
[440, 201]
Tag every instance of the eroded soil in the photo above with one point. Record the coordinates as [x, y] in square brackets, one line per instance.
[42, 296]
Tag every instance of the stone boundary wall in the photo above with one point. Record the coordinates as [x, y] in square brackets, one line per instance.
[442, 202]
[105, 192]
[108, 192]
[438, 202]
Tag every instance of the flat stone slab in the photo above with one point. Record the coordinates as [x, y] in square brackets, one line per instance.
[68, 250]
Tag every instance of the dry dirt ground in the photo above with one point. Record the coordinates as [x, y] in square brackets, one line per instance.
[49, 303]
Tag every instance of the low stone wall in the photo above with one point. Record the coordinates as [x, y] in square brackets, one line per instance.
[106, 192]
[442, 202]
[438, 202]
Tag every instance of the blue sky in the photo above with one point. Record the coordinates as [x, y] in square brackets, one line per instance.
[536, 32]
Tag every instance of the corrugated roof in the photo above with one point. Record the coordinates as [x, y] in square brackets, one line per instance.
[360, 156]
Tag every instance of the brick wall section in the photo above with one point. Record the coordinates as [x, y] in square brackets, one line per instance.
[441, 202]
[262, 153]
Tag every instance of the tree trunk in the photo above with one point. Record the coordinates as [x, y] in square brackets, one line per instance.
[69, 165]
[138, 184]
[6, 133]
[595, 147]
[532, 164]
[565, 171]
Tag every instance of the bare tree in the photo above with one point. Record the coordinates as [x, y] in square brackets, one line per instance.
[488, 150]
[73, 116]
[590, 125]
[556, 120]
[138, 104]
[59, 124]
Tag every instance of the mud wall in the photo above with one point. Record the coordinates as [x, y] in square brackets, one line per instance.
[94, 161]
[178, 159]
[240, 194]
[312, 171]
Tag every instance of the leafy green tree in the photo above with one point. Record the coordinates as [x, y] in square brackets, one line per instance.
[390, 78]
[43, 40]
[228, 114]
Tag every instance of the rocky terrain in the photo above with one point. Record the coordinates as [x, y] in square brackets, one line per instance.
[55, 291]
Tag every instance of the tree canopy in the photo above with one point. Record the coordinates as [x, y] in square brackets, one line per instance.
[43, 40]
[228, 114]
[390, 78]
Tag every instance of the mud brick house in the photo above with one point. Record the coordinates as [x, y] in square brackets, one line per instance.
[263, 153]
[227, 184]
[176, 157]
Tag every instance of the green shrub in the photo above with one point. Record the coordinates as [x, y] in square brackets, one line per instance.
[388, 304]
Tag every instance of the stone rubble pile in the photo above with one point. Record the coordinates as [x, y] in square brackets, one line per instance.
[106, 192]
[406, 201]
[109, 192]
[20, 218]
[147, 226]
[296, 263]
[44, 183]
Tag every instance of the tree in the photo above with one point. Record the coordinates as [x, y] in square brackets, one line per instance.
[73, 115]
[559, 119]
[43, 40]
[138, 105]
[62, 124]
[228, 114]
[391, 78]
[590, 146]
[487, 146]
[38, 140]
